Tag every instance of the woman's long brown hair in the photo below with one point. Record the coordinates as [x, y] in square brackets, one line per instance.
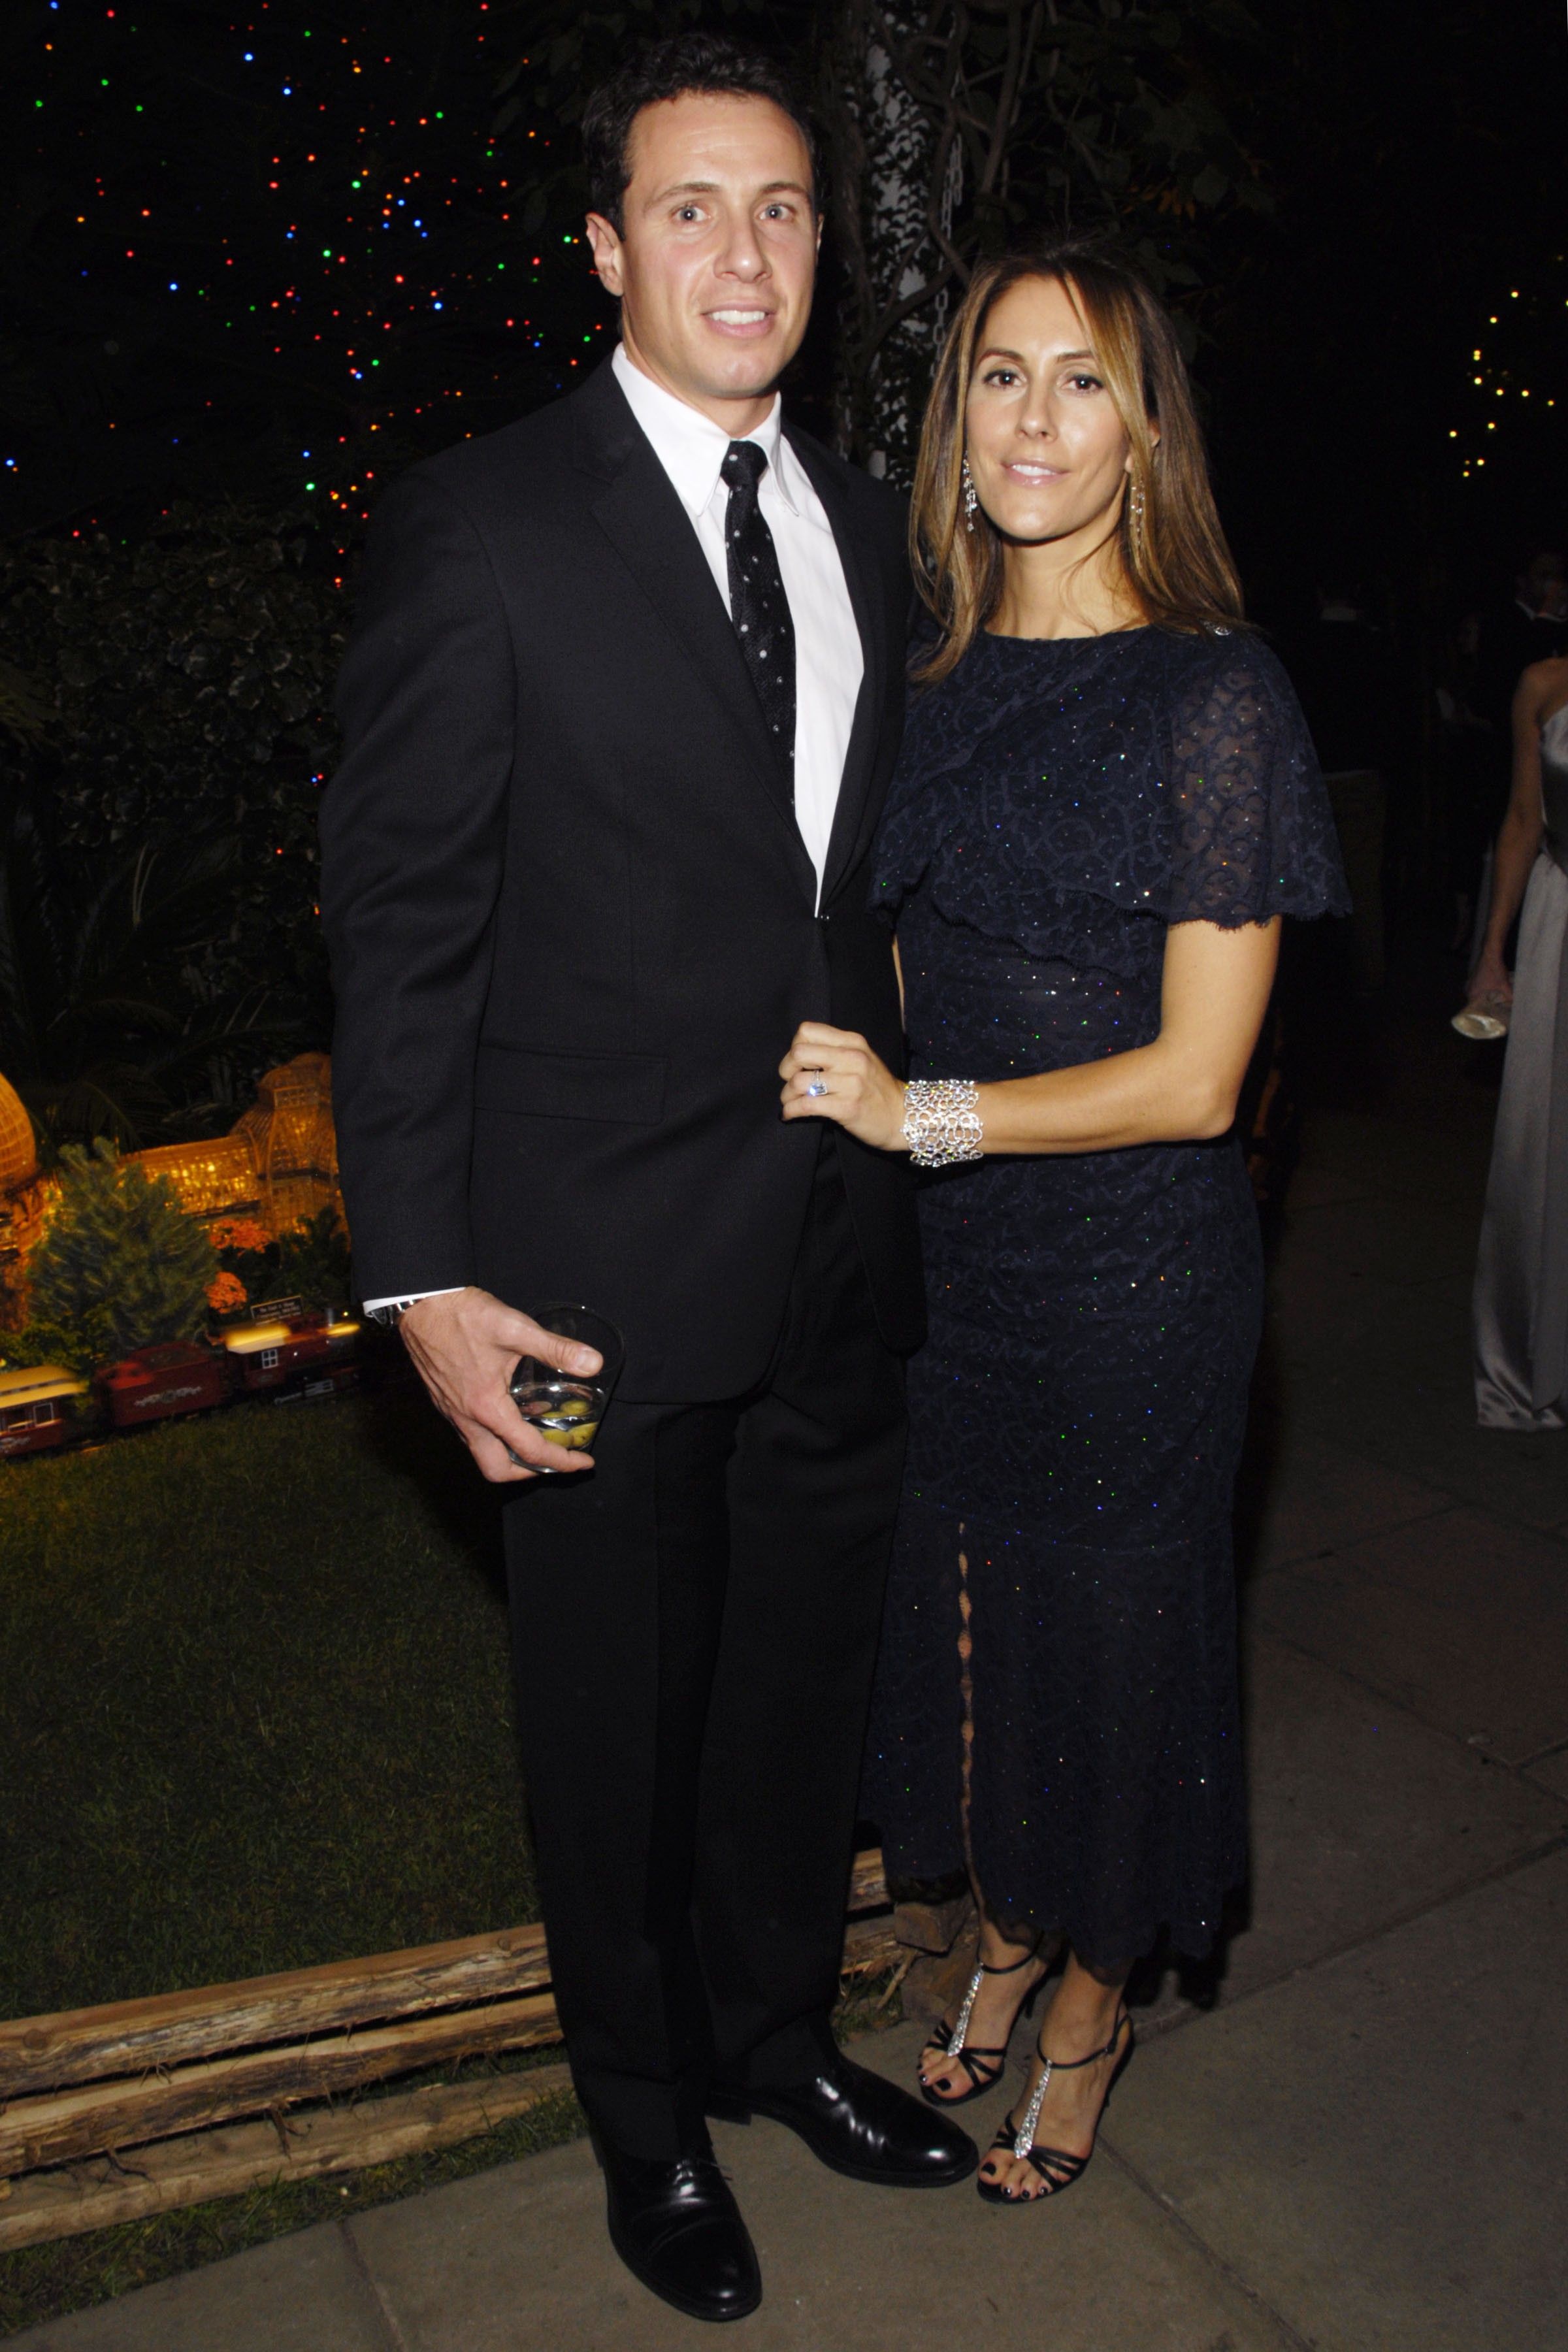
[1174, 561]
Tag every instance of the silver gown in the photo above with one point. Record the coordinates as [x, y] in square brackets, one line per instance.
[1521, 1307]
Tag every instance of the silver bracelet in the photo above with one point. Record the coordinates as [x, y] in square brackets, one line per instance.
[942, 1125]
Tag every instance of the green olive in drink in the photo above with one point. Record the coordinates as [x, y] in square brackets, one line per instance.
[566, 1411]
[570, 1418]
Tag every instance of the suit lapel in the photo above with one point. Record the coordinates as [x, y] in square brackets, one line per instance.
[866, 598]
[651, 532]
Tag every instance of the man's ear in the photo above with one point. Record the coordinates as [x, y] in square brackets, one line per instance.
[606, 247]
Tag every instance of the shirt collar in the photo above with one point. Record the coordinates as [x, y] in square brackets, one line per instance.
[691, 447]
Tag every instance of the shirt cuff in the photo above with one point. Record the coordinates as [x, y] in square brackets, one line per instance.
[409, 1297]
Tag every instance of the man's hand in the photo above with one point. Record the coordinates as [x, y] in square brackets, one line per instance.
[464, 1344]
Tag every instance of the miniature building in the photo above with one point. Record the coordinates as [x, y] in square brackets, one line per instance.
[22, 1193]
[278, 1164]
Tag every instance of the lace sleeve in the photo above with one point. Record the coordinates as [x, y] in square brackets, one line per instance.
[1253, 836]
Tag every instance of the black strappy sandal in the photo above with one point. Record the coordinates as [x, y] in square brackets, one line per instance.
[983, 2067]
[1056, 2167]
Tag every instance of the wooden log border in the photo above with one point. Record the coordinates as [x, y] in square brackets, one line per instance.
[139, 2106]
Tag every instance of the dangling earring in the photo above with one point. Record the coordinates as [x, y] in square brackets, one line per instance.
[1135, 517]
[971, 497]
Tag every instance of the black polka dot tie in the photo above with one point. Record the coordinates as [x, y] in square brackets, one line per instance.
[758, 605]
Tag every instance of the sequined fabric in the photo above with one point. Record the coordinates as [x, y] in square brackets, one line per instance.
[1078, 1411]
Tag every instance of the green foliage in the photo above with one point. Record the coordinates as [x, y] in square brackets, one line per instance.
[311, 1263]
[188, 677]
[119, 1253]
[159, 940]
[121, 1013]
[79, 1347]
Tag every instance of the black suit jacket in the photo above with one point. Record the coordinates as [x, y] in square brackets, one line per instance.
[571, 917]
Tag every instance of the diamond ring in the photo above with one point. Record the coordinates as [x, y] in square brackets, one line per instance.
[818, 1085]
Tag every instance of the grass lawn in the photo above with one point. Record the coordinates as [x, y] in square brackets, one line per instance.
[258, 1710]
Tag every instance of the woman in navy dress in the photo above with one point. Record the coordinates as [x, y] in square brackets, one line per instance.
[1106, 803]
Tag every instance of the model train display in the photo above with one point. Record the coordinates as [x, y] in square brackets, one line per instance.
[283, 1350]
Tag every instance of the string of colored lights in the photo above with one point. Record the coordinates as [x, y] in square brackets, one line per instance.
[363, 259]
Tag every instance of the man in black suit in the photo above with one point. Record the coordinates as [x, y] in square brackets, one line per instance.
[620, 710]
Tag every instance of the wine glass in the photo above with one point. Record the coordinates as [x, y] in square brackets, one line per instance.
[567, 1407]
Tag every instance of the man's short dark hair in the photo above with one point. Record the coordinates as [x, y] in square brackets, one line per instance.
[705, 65]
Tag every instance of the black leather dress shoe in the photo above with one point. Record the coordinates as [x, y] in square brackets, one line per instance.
[861, 2126]
[676, 2226]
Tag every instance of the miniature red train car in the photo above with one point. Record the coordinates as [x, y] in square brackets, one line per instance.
[287, 1351]
[156, 1383]
[41, 1407]
[309, 1354]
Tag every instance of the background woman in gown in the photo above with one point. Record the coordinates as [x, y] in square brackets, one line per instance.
[1105, 802]
[1520, 1309]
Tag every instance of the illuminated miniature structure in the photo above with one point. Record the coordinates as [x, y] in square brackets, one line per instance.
[279, 1163]
[23, 1190]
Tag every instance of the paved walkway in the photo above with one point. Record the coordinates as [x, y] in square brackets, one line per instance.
[1360, 2148]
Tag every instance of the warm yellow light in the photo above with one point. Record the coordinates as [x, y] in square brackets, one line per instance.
[249, 1338]
[1453, 437]
[36, 1382]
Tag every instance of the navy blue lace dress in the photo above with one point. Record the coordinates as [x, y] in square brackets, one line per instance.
[1056, 1695]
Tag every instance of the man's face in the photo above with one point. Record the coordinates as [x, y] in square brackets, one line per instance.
[716, 263]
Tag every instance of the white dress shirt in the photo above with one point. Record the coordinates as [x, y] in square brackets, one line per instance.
[829, 661]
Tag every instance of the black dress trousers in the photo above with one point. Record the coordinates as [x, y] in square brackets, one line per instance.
[695, 1625]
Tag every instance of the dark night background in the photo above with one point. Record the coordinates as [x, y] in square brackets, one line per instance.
[259, 260]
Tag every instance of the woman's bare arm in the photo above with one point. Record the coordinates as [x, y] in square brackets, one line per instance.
[1519, 837]
[1183, 1085]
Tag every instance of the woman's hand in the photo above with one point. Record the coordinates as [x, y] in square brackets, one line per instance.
[861, 1092]
[1490, 978]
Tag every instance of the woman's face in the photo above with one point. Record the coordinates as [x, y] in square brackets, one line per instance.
[1046, 449]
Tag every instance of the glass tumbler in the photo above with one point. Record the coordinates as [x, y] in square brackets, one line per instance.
[564, 1407]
